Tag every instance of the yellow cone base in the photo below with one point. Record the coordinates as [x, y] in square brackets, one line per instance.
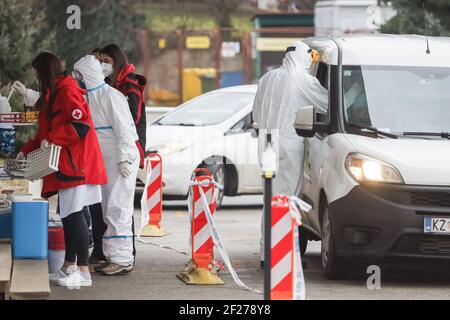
[152, 231]
[199, 276]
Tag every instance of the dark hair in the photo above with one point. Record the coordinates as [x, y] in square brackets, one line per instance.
[119, 58]
[96, 51]
[48, 68]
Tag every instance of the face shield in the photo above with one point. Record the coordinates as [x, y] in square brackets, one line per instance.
[79, 77]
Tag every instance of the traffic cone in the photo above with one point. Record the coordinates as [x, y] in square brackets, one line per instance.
[153, 166]
[201, 269]
[287, 281]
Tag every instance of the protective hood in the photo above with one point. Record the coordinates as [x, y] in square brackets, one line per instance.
[298, 63]
[91, 70]
[298, 57]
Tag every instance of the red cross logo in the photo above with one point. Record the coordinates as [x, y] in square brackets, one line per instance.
[77, 114]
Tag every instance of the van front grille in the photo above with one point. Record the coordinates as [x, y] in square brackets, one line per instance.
[414, 197]
[431, 199]
[437, 245]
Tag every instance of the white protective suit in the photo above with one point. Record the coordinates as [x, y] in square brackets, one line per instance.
[117, 137]
[281, 93]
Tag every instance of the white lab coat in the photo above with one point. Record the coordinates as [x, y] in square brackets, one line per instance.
[281, 93]
[117, 136]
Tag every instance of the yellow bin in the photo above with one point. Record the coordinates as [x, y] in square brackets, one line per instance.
[192, 82]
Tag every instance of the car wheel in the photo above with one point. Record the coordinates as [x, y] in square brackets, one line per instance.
[218, 172]
[303, 239]
[332, 265]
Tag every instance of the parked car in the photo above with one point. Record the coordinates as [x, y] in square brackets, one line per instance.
[154, 113]
[377, 166]
[212, 131]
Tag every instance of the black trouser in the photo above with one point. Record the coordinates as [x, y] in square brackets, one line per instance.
[98, 231]
[76, 238]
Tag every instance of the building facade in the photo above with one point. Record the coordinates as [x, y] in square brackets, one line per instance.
[337, 17]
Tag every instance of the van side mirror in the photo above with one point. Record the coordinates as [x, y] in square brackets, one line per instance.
[308, 122]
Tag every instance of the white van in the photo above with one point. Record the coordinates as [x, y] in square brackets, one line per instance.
[377, 166]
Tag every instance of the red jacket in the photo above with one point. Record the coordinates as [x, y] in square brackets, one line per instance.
[70, 126]
[132, 86]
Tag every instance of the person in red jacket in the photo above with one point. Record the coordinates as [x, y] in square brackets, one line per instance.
[65, 120]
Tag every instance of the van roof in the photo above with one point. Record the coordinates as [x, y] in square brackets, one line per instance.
[383, 49]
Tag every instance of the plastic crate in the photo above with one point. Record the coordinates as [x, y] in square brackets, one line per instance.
[15, 168]
[42, 162]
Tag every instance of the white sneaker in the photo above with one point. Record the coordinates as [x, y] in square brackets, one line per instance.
[60, 274]
[75, 280]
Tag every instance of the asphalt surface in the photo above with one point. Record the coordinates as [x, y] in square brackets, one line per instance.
[154, 276]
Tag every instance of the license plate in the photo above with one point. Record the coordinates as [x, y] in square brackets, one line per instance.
[437, 225]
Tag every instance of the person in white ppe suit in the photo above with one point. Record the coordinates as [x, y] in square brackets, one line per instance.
[280, 94]
[117, 137]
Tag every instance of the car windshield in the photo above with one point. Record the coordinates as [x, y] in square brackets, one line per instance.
[208, 110]
[397, 99]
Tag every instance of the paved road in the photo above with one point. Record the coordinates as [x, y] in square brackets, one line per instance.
[239, 223]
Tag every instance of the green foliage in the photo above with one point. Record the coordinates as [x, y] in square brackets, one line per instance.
[19, 27]
[102, 22]
[167, 16]
[410, 18]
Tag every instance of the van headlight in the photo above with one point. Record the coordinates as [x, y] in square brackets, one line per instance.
[366, 169]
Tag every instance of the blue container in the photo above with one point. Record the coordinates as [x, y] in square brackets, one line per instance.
[5, 224]
[30, 229]
[231, 79]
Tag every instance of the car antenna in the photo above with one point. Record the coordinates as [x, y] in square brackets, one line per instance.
[427, 30]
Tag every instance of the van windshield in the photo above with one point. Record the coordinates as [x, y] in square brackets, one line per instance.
[397, 99]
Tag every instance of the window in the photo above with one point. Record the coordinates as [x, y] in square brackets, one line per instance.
[322, 74]
[208, 110]
[243, 125]
[397, 99]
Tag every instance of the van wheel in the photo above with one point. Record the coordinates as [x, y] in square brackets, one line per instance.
[333, 266]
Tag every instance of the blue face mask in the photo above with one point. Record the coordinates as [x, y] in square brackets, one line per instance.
[82, 84]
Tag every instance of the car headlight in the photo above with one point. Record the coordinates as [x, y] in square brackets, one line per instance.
[366, 169]
[170, 148]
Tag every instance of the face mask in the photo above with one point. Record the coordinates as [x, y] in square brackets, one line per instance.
[82, 84]
[108, 69]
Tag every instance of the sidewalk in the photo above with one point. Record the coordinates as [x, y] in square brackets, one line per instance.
[155, 274]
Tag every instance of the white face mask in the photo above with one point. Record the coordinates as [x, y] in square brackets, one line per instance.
[108, 69]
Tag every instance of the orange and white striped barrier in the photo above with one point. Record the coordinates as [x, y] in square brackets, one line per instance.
[152, 200]
[286, 278]
[203, 267]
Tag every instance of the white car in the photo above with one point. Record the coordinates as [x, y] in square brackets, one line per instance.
[377, 166]
[212, 131]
